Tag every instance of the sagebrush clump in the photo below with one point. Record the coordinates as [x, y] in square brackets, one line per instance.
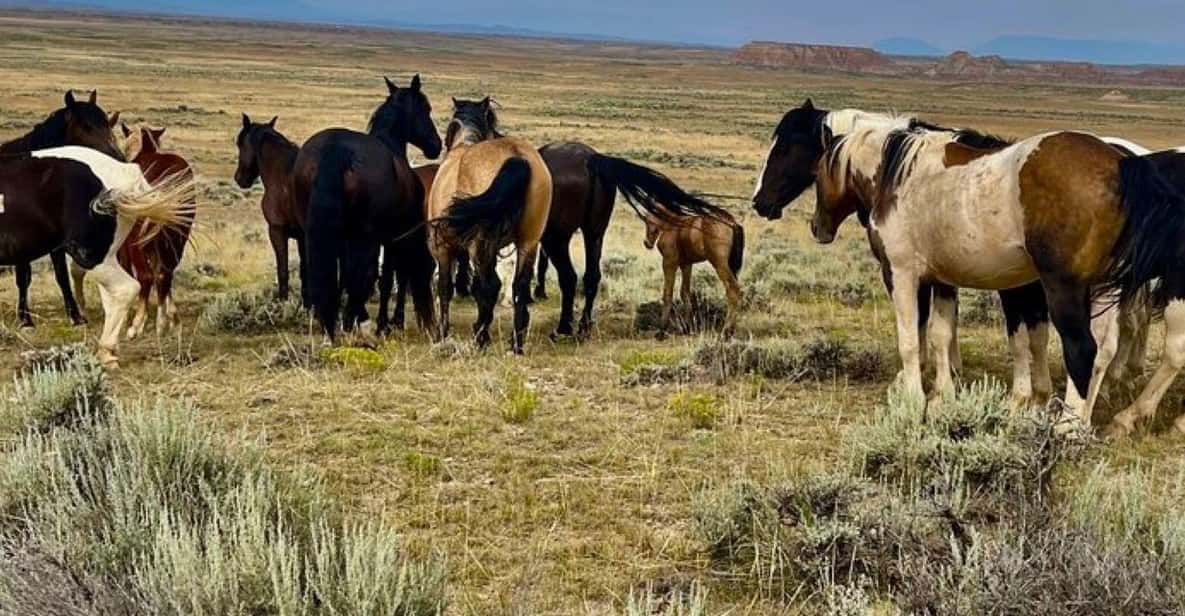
[253, 312]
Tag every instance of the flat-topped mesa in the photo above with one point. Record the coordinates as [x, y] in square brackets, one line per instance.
[797, 55]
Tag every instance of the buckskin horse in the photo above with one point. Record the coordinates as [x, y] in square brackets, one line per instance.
[491, 191]
[266, 154]
[354, 193]
[84, 202]
[80, 123]
[1065, 209]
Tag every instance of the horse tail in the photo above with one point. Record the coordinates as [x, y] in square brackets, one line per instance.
[496, 211]
[167, 204]
[1149, 243]
[736, 254]
[651, 191]
[325, 235]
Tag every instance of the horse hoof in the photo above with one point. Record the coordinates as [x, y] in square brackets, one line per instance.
[26, 324]
[109, 360]
[540, 294]
[1117, 431]
[1179, 426]
[661, 335]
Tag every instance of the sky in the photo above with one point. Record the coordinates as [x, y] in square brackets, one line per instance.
[949, 24]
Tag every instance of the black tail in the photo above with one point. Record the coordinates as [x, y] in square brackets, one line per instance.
[736, 254]
[1150, 244]
[649, 190]
[496, 211]
[324, 235]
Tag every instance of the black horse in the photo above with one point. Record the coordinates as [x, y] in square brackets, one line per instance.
[355, 193]
[81, 123]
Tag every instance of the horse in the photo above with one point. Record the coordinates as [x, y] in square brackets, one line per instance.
[354, 193]
[1064, 208]
[585, 187]
[86, 203]
[266, 154]
[79, 123]
[152, 255]
[490, 191]
[687, 240]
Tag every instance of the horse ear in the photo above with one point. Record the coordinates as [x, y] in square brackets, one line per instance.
[70, 102]
[485, 102]
[456, 103]
[272, 123]
[246, 121]
[94, 96]
[157, 134]
[828, 137]
[415, 83]
[113, 120]
[809, 104]
[391, 87]
[127, 132]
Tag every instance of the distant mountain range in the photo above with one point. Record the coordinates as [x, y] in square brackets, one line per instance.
[1048, 49]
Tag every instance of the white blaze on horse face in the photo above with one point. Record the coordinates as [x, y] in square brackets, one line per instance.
[764, 166]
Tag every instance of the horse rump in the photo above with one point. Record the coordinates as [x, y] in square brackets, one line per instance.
[649, 190]
[494, 213]
[1150, 243]
[325, 235]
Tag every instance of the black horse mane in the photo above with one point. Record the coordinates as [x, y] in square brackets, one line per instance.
[965, 136]
[897, 159]
[479, 115]
[383, 124]
[51, 132]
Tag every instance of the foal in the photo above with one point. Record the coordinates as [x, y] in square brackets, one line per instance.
[686, 240]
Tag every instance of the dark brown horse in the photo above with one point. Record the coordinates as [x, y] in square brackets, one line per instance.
[266, 154]
[152, 255]
[81, 123]
[356, 193]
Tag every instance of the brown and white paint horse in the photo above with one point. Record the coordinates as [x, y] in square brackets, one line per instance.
[490, 191]
[1058, 208]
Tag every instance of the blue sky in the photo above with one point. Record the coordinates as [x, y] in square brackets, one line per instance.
[946, 23]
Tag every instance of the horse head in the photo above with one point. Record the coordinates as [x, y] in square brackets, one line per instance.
[248, 143]
[473, 121]
[405, 117]
[86, 124]
[790, 167]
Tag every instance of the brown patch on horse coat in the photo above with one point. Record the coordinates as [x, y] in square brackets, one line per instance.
[958, 154]
[1070, 195]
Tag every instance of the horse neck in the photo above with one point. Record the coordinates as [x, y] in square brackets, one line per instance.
[156, 165]
[277, 156]
[50, 133]
[397, 145]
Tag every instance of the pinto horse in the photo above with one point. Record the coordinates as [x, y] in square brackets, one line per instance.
[264, 153]
[85, 202]
[355, 192]
[1062, 208]
[152, 255]
[491, 191]
[79, 123]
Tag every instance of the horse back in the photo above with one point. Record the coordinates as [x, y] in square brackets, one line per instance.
[39, 197]
[572, 203]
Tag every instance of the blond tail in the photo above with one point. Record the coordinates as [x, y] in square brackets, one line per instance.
[170, 203]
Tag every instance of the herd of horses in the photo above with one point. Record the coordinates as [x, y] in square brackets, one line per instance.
[1088, 232]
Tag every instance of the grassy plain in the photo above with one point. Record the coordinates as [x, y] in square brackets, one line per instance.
[565, 506]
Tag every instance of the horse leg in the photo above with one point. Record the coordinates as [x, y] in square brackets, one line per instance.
[521, 292]
[166, 309]
[593, 243]
[906, 304]
[1171, 364]
[541, 275]
[279, 240]
[117, 290]
[487, 287]
[386, 283]
[1069, 304]
[732, 291]
[464, 279]
[399, 318]
[79, 276]
[669, 268]
[419, 281]
[557, 247]
[925, 301]
[943, 315]
[685, 294]
[955, 353]
[444, 290]
[1020, 343]
[143, 272]
[1133, 336]
[302, 271]
[359, 273]
[61, 274]
[1105, 330]
[24, 277]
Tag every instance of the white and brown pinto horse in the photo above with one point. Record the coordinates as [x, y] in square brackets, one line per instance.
[491, 191]
[1065, 209]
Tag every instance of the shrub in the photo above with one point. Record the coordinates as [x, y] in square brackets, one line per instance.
[819, 358]
[252, 312]
[354, 359]
[668, 600]
[705, 315]
[519, 399]
[702, 411]
[59, 388]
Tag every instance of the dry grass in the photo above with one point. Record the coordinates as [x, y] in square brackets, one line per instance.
[586, 503]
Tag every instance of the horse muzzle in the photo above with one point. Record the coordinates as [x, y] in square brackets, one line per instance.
[822, 236]
[767, 210]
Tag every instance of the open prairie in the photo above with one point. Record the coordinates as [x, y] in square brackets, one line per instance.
[559, 481]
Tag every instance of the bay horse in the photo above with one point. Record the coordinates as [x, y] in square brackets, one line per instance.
[684, 241]
[152, 255]
[354, 193]
[86, 203]
[585, 185]
[79, 123]
[490, 191]
[1062, 208]
[266, 154]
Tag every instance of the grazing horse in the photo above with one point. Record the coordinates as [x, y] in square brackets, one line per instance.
[85, 202]
[266, 154]
[355, 192]
[585, 186]
[686, 240]
[491, 191]
[79, 123]
[152, 255]
[1059, 208]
